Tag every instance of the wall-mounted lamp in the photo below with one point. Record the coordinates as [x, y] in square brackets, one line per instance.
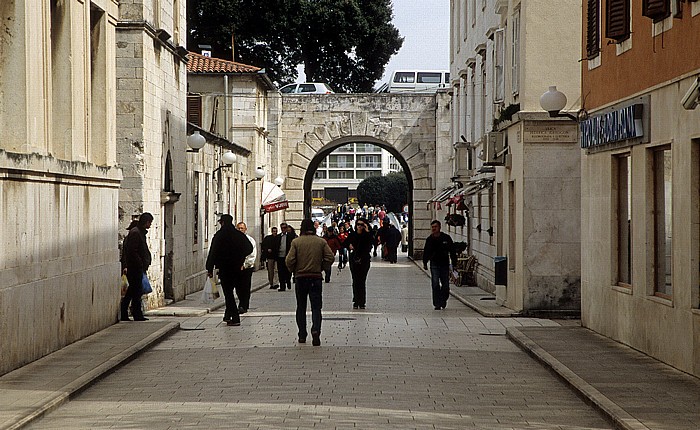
[553, 101]
[259, 174]
[227, 159]
[279, 181]
[195, 141]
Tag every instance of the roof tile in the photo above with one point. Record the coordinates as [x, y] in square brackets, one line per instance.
[198, 63]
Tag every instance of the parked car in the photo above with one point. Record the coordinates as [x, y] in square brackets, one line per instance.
[317, 215]
[307, 88]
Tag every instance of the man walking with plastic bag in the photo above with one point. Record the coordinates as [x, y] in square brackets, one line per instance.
[228, 250]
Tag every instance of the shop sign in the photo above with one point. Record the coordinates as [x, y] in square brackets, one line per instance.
[611, 127]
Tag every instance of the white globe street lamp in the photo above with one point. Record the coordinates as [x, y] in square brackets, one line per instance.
[196, 141]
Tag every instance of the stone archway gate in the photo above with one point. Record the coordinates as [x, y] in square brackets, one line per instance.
[414, 127]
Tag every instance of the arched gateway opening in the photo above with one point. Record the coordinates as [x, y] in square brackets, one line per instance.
[411, 127]
[330, 147]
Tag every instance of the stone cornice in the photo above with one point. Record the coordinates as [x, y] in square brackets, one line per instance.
[41, 168]
[178, 52]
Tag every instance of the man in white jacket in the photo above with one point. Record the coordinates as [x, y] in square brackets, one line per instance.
[243, 289]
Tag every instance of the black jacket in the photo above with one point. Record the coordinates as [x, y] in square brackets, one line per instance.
[362, 245]
[439, 250]
[271, 243]
[136, 257]
[278, 243]
[228, 250]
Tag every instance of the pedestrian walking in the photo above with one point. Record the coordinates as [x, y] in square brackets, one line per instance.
[404, 237]
[227, 252]
[334, 243]
[283, 245]
[268, 255]
[343, 251]
[307, 257]
[392, 241]
[243, 288]
[360, 244]
[440, 252]
[136, 257]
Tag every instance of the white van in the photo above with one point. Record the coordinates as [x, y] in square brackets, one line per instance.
[418, 81]
[317, 215]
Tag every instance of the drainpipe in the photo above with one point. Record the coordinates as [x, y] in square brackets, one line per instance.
[226, 110]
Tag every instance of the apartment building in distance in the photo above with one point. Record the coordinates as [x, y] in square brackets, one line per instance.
[641, 176]
[516, 171]
[338, 176]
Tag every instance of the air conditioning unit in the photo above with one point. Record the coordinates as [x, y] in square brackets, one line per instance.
[462, 162]
[493, 149]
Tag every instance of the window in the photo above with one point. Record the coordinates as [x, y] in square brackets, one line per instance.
[98, 83]
[364, 174]
[307, 88]
[490, 212]
[515, 78]
[498, 66]
[340, 174]
[405, 77]
[617, 20]
[429, 78]
[194, 109]
[593, 29]
[623, 165]
[656, 9]
[320, 174]
[511, 225]
[662, 216]
[288, 89]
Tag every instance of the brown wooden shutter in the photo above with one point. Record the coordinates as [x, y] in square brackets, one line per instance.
[194, 109]
[617, 20]
[593, 29]
[656, 9]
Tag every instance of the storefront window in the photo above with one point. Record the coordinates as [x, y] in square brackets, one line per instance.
[624, 220]
[663, 216]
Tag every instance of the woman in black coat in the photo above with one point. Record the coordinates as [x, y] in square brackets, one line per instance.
[360, 244]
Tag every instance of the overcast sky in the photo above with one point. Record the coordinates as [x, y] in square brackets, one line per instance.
[425, 26]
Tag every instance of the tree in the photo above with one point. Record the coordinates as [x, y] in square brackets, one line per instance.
[345, 43]
[390, 191]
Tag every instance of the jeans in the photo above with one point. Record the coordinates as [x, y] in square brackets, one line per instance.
[343, 258]
[313, 288]
[440, 281]
[359, 281]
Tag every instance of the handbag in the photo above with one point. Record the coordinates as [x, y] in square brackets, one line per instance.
[146, 285]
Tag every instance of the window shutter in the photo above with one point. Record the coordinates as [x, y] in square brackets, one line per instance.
[656, 9]
[194, 110]
[593, 26]
[617, 24]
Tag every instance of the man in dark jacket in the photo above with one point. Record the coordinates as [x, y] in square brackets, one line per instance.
[439, 251]
[227, 252]
[283, 245]
[136, 257]
[268, 255]
[392, 241]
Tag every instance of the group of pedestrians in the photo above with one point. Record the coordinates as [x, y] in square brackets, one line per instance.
[308, 258]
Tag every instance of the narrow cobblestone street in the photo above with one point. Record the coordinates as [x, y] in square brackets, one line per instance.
[398, 364]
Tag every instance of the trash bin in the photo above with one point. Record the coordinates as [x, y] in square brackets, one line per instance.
[500, 270]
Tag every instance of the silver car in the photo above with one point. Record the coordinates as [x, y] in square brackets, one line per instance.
[307, 88]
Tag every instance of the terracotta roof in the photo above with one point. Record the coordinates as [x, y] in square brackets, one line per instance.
[198, 63]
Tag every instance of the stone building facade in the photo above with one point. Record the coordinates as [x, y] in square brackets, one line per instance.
[59, 180]
[518, 168]
[641, 178]
[151, 141]
[238, 104]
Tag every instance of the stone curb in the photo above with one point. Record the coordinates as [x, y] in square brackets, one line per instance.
[618, 416]
[64, 393]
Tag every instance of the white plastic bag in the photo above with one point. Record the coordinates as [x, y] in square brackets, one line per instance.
[208, 292]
